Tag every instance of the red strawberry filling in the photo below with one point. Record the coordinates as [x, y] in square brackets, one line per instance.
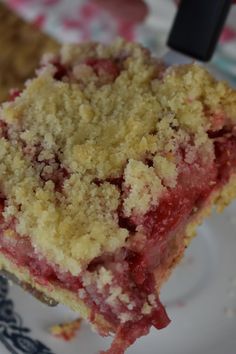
[107, 70]
[104, 67]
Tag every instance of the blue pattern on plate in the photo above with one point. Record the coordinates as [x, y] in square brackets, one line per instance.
[13, 335]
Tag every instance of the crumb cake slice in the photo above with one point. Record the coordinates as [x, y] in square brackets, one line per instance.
[108, 162]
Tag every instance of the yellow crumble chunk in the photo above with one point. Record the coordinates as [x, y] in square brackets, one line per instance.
[166, 170]
[145, 187]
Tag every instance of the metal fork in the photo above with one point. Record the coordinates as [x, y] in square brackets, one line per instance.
[27, 287]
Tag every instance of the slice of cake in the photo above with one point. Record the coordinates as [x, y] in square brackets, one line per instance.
[108, 162]
[21, 45]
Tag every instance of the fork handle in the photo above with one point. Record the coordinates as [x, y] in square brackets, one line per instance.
[197, 27]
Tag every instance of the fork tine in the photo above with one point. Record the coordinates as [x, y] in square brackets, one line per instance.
[28, 288]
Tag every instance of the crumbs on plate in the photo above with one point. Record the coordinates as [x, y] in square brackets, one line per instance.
[66, 331]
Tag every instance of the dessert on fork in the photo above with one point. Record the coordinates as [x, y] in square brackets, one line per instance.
[108, 162]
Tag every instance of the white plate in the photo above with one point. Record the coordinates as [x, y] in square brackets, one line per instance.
[200, 299]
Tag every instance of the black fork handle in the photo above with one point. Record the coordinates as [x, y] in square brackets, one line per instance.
[197, 27]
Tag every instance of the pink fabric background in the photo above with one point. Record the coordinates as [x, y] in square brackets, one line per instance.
[81, 20]
[84, 18]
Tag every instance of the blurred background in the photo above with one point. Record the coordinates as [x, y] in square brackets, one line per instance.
[80, 20]
[46, 24]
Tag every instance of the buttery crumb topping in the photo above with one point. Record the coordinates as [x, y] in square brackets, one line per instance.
[93, 115]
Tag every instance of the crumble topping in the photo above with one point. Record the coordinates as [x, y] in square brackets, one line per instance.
[145, 187]
[147, 309]
[166, 169]
[152, 299]
[125, 317]
[116, 293]
[88, 129]
[101, 277]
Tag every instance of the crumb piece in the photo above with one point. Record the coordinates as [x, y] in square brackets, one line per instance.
[152, 299]
[66, 331]
[166, 170]
[147, 309]
[116, 292]
[145, 187]
[104, 278]
[125, 317]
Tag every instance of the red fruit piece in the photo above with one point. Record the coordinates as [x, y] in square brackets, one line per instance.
[104, 67]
